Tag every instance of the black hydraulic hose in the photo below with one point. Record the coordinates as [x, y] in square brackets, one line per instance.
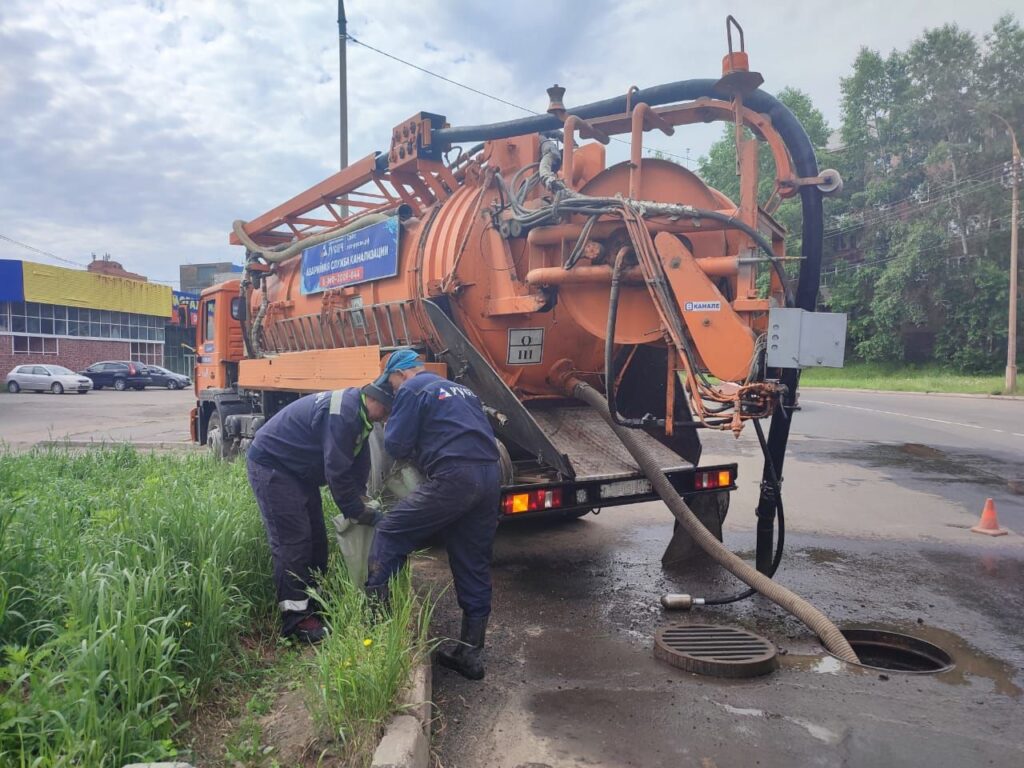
[781, 541]
[762, 243]
[610, 373]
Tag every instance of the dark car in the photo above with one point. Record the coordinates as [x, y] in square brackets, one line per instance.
[164, 378]
[119, 374]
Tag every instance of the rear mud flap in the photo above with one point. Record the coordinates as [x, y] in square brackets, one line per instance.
[682, 550]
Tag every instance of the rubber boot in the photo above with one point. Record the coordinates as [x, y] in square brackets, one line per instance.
[466, 657]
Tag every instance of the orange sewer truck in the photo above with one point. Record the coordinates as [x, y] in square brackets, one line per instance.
[518, 262]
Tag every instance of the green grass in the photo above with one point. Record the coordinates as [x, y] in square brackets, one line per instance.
[127, 583]
[365, 661]
[901, 379]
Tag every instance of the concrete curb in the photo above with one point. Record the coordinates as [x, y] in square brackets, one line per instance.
[406, 740]
[809, 388]
[165, 445]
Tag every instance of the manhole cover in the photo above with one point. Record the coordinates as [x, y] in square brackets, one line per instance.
[711, 649]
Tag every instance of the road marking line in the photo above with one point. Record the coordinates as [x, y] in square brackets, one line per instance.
[909, 416]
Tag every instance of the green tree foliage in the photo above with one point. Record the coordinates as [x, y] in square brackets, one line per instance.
[917, 245]
[917, 249]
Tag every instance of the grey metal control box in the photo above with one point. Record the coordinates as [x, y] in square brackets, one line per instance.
[801, 339]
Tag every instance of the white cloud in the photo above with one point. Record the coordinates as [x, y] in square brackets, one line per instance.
[144, 129]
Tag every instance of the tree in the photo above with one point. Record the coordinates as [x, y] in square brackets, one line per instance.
[923, 205]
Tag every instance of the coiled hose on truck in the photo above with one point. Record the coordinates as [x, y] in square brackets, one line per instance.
[815, 620]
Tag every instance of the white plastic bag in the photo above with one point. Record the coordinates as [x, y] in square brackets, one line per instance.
[354, 540]
[390, 481]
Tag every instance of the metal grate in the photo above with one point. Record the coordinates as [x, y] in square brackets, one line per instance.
[386, 325]
[710, 649]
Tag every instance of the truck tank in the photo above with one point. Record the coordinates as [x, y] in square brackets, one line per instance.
[509, 295]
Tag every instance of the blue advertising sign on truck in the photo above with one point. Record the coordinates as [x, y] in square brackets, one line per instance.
[367, 254]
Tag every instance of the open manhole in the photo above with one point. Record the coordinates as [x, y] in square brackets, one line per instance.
[896, 652]
[711, 649]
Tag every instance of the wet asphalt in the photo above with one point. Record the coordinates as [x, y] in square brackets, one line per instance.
[880, 493]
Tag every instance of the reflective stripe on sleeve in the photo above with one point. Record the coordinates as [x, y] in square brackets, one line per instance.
[336, 395]
[294, 605]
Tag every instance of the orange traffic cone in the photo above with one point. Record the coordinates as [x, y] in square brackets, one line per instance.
[989, 523]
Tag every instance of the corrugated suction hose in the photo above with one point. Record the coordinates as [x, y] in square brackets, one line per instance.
[815, 620]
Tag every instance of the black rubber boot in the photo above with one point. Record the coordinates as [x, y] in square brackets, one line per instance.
[466, 657]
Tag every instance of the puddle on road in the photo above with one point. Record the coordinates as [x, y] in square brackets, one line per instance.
[940, 466]
[969, 662]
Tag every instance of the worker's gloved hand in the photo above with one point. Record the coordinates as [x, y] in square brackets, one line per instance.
[372, 514]
[370, 517]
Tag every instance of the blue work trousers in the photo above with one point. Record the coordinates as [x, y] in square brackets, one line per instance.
[459, 502]
[293, 515]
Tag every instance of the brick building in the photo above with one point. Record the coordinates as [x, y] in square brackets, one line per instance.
[74, 318]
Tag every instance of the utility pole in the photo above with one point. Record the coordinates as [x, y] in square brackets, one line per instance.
[1011, 340]
[343, 80]
[1011, 336]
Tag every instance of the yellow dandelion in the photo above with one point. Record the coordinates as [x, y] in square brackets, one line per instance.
[367, 642]
[188, 624]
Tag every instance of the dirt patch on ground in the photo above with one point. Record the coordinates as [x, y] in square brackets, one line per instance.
[290, 730]
[265, 726]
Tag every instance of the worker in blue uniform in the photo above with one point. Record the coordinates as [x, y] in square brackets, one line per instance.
[441, 427]
[317, 440]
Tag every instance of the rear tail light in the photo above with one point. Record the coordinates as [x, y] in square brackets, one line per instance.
[531, 501]
[705, 480]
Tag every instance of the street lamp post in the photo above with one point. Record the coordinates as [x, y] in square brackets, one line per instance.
[1011, 339]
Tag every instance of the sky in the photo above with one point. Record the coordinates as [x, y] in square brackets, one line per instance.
[143, 128]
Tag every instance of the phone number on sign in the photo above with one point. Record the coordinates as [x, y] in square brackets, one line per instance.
[341, 278]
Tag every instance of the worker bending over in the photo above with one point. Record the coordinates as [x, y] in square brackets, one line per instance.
[441, 427]
[317, 440]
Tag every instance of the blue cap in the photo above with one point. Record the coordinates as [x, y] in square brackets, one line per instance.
[402, 360]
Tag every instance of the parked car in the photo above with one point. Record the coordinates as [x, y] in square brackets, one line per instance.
[164, 378]
[119, 374]
[43, 378]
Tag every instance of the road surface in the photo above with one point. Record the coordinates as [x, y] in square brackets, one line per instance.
[880, 491]
[152, 417]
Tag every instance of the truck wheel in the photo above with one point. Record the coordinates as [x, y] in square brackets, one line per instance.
[13, 388]
[120, 385]
[57, 388]
[215, 439]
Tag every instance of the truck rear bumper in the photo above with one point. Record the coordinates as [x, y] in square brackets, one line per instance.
[574, 498]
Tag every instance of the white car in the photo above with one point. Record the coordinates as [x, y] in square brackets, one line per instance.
[47, 378]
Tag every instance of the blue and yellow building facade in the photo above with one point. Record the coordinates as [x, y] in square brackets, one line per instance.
[75, 317]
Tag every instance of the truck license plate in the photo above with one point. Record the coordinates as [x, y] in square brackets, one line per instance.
[622, 488]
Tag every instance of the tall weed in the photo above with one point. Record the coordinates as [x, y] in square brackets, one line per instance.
[126, 581]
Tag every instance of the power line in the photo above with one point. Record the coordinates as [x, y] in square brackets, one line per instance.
[40, 251]
[949, 193]
[486, 95]
[79, 264]
[899, 214]
[441, 77]
[847, 266]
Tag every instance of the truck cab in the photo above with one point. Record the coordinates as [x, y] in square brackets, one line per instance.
[219, 349]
